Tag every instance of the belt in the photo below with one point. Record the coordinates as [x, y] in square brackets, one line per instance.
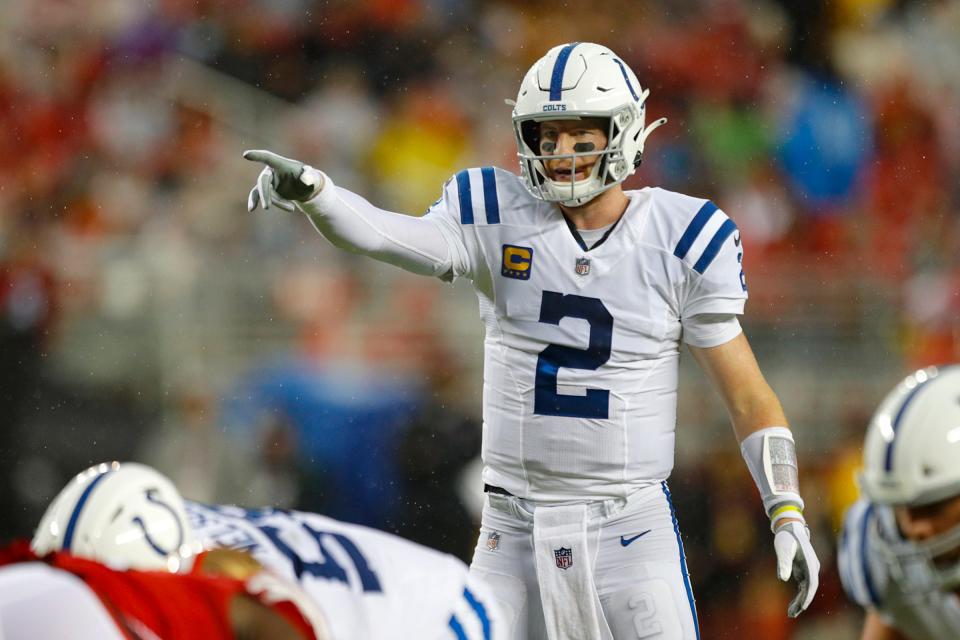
[489, 488]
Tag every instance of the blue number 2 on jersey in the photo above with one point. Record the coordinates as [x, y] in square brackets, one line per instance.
[596, 403]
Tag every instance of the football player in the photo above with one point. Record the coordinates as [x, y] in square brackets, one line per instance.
[899, 553]
[60, 595]
[370, 584]
[587, 292]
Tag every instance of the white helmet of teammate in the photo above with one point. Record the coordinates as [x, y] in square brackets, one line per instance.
[125, 515]
[573, 81]
[912, 458]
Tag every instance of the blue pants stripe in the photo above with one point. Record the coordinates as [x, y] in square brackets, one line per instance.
[683, 560]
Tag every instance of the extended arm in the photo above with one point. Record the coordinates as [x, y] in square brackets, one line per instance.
[768, 449]
[419, 245]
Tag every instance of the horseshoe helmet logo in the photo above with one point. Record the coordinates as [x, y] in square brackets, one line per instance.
[151, 496]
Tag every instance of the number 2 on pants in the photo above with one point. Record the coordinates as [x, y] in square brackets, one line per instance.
[596, 403]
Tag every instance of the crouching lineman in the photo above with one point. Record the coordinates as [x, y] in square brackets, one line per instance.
[63, 596]
[370, 584]
[587, 293]
[900, 546]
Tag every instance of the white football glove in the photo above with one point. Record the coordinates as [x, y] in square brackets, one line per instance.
[282, 181]
[797, 559]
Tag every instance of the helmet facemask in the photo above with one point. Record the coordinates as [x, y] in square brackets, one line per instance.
[921, 566]
[609, 169]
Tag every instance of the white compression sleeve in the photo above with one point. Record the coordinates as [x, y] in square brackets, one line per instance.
[418, 245]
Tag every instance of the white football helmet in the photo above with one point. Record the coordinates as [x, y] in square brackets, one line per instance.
[125, 515]
[912, 457]
[573, 81]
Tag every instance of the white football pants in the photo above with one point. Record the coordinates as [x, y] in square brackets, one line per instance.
[636, 570]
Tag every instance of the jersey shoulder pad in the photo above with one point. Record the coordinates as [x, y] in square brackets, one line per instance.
[861, 571]
[692, 229]
[488, 196]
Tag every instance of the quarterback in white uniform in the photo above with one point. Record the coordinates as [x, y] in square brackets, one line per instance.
[586, 292]
[899, 553]
[369, 584]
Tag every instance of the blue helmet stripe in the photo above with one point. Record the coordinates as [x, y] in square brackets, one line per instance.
[714, 246]
[556, 80]
[481, 612]
[490, 201]
[78, 508]
[466, 199]
[683, 559]
[457, 628]
[693, 230]
[626, 78]
[888, 460]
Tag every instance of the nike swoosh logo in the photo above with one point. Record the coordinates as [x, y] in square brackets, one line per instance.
[626, 541]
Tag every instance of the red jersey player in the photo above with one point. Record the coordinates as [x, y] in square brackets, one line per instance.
[59, 595]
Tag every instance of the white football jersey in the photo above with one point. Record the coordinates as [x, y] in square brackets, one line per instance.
[870, 582]
[371, 585]
[582, 346]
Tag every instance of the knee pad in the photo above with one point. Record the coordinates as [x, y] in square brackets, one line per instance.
[648, 609]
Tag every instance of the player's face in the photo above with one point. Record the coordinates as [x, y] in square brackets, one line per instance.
[558, 137]
[921, 523]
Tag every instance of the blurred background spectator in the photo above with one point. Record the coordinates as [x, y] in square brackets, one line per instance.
[144, 314]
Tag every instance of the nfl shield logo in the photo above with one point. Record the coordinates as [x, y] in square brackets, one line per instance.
[564, 557]
[583, 266]
[493, 541]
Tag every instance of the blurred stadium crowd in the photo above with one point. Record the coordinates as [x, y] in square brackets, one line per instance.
[144, 314]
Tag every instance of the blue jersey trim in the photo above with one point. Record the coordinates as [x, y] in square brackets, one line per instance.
[481, 612]
[78, 508]
[843, 562]
[556, 80]
[864, 563]
[466, 198]
[683, 559]
[626, 79]
[888, 459]
[490, 201]
[714, 246]
[693, 230]
[457, 628]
